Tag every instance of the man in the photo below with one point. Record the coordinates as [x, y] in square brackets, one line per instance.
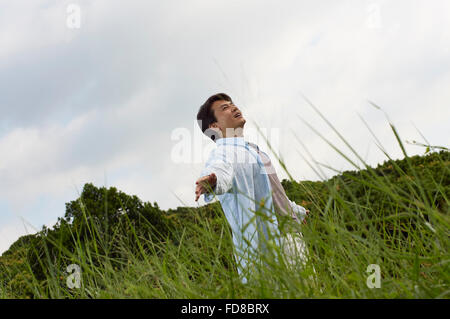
[246, 184]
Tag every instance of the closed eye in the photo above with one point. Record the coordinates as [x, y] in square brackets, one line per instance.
[226, 105]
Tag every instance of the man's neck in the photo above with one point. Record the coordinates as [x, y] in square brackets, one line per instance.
[237, 132]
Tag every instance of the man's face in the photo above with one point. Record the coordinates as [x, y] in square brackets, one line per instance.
[228, 116]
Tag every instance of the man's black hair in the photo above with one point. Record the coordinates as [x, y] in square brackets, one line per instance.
[205, 115]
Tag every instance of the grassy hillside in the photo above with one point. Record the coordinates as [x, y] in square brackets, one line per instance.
[395, 215]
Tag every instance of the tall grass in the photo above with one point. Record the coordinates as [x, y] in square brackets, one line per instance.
[410, 244]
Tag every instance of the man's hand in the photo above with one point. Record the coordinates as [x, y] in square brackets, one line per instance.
[307, 213]
[202, 183]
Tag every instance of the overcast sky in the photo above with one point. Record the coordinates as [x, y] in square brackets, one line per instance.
[104, 98]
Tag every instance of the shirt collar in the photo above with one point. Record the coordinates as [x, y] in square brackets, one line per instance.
[231, 140]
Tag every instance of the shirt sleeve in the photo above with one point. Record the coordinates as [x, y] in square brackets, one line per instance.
[300, 211]
[224, 171]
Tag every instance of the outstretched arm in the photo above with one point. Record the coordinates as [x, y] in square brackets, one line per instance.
[300, 211]
[216, 176]
[203, 184]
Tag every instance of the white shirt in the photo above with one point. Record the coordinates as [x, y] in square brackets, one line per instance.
[243, 188]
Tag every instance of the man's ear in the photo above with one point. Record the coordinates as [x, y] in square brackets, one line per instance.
[214, 130]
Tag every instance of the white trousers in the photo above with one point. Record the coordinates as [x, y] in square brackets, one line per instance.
[296, 255]
[294, 249]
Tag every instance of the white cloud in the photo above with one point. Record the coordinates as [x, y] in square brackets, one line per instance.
[106, 98]
[11, 231]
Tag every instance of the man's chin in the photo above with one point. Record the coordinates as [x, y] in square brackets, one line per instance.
[240, 123]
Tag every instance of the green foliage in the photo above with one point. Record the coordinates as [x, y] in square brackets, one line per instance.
[396, 215]
[432, 175]
[15, 276]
